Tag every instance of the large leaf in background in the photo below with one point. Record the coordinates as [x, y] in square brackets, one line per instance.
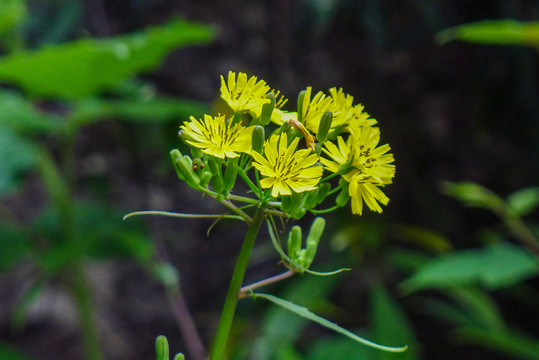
[89, 66]
[154, 109]
[15, 246]
[12, 14]
[495, 266]
[20, 114]
[524, 201]
[341, 348]
[390, 325]
[498, 32]
[16, 155]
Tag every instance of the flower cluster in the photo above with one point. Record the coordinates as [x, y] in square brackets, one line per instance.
[282, 155]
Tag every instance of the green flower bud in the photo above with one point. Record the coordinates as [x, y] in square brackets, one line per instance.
[205, 178]
[217, 178]
[295, 238]
[161, 348]
[179, 356]
[301, 97]
[174, 155]
[257, 139]
[231, 173]
[315, 233]
[267, 109]
[187, 172]
[324, 127]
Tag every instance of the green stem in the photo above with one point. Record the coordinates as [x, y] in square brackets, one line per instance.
[229, 309]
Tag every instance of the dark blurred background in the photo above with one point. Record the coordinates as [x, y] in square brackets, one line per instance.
[458, 111]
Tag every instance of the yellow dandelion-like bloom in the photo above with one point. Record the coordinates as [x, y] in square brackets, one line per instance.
[243, 94]
[286, 169]
[366, 167]
[218, 137]
[313, 109]
[346, 113]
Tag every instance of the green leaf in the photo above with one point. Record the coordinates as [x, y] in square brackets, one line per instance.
[513, 344]
[304, 312]
[524, 201]
[16, 155]
[89, 66]
[499, 32]
[390, 325]
[20, 114]
[472, 194]
[495, 266]
[425, 238]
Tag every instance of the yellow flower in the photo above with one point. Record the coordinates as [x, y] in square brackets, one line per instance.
[363, 165]
[345, 113]
[218, 137]
[243, 94]
[286, 169]
[313, 109]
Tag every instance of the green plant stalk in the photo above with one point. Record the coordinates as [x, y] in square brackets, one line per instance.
[229, 309]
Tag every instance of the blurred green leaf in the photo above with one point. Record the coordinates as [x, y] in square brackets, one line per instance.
[338, 347]
[513, 344]
[8, 352]
[89, 66]
[304, 312]
[16, 155]
[390, 325]
[495, 266]
[12, 15]
[480, 307]
[524, 201]
[499, 32]
[20, 114]
[155, 109]
[472, 194]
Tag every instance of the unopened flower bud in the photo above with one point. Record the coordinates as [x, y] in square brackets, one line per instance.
[301, 98]
[179, 356]
[231, 172]
[161, 348]
[267, 109]
[343, 198]
[324, 126]
[315, 233]
[257, 140]
[295, 238]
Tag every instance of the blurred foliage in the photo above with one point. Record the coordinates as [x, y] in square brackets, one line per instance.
[495, 32]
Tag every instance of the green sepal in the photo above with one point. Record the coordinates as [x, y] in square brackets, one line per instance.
[217, 178]
[295, 237]
[205, 178]
[343, 197]
[196, 152]
[257, 139]
[346, 168]
[324, 126]
[267, 109]
[179, 356]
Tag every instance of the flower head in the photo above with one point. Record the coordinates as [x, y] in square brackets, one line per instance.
[363, 165]
[345, 113]
[243, 94]
[286, 169]
[218, 137]
[313, 109]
